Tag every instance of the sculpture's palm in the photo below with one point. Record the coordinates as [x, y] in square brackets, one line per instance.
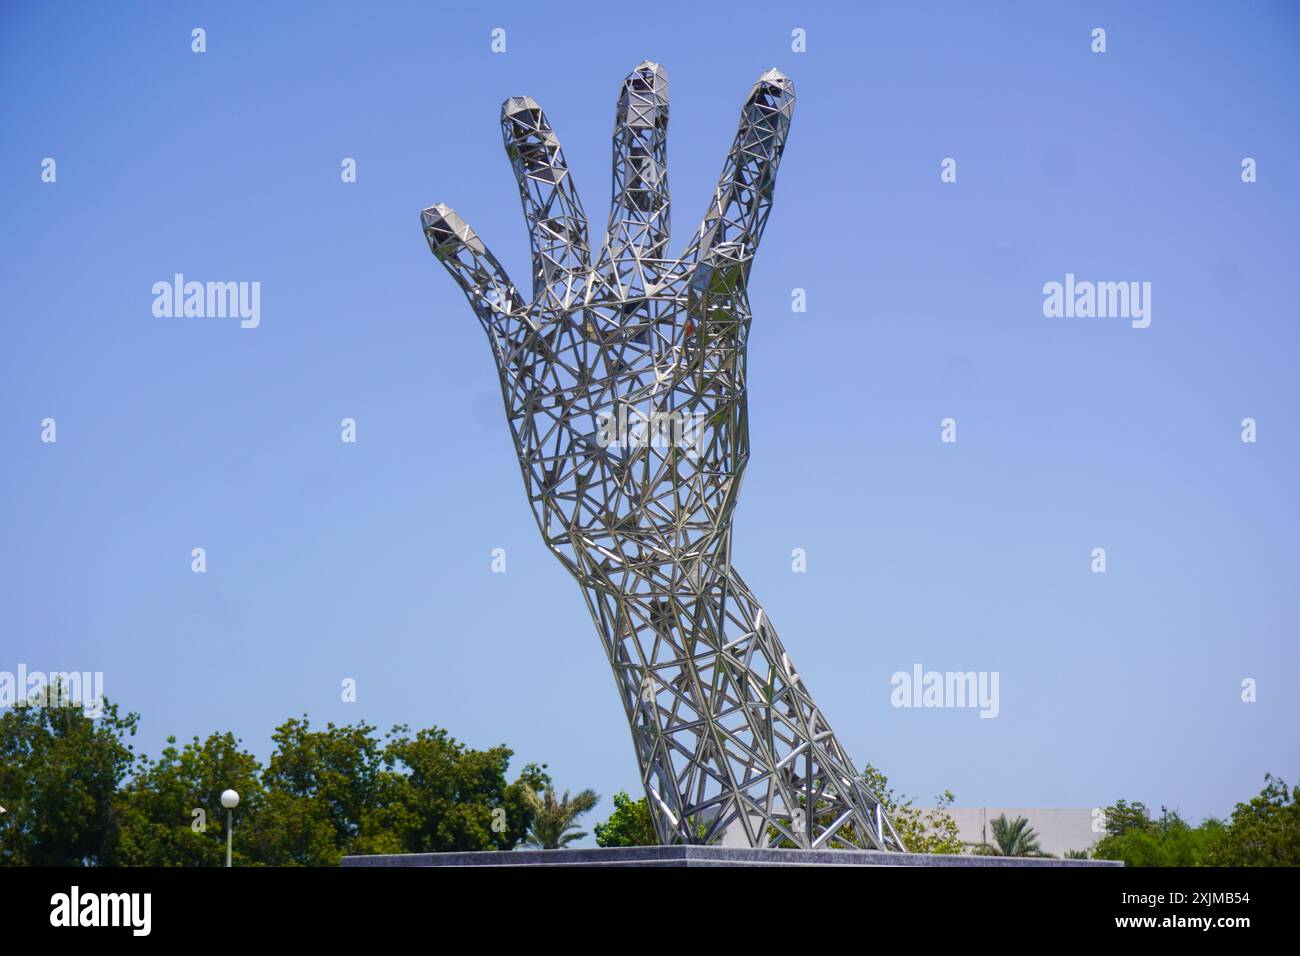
[624, 386]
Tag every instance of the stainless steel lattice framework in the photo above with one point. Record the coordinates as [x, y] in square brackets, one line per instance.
[624, 387]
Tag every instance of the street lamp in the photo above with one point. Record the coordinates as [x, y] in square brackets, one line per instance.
[229, 800]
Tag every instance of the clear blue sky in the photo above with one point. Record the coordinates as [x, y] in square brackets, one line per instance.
[372, 560]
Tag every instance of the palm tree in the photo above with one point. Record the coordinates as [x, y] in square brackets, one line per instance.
[554, 823]
[1011, 838]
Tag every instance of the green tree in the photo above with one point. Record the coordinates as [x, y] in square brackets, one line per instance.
[1173, 844]
[554, 819]
[628, 825]
[170, 813]
[343, 790]
[436, 795]
[1011, 838]
[289, 830]
[1136, 839]
[1125, 817]
[922, 831]
[75, 793]
[59, 772]
[320, 783]
[1263, 832]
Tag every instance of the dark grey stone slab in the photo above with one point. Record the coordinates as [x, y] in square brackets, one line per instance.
[705, 856]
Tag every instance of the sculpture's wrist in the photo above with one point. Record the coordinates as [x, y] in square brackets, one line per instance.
[681, 587]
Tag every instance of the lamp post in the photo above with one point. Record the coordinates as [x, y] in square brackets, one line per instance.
[229, 800]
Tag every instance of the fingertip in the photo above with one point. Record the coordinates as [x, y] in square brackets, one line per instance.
[516, 106]
[643, 98]
[514, 103]
[773, 88]
[444, 228]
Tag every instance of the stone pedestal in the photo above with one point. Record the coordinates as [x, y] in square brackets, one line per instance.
[707, 856]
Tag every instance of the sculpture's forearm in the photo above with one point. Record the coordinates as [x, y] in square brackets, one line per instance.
[726, 733]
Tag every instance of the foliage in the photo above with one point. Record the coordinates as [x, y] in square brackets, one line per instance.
[553, 824]
[59, 772]
[1011, 838]
[628, 825]
[329, 777]
[1144, 842]
[1125, 817]
[922, 831]
[75, 793]
[1263, 832]
[437, 796]
[170, 812]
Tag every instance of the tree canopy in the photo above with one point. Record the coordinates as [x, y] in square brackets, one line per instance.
[628, 825]
[76, 793]
[1264, 831]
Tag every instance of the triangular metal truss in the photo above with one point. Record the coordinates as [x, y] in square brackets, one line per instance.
[727, 736]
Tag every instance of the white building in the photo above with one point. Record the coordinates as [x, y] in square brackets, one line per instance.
[1058, 829]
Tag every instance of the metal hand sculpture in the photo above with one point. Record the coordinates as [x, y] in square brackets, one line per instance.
[624, 387]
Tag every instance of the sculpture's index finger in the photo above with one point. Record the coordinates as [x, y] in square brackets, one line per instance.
[557, 225]
[734, 223]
